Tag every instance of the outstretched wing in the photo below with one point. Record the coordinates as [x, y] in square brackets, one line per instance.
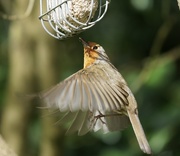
[92, 101]
[86, 91]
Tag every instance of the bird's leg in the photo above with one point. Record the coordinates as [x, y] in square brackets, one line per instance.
[99, 117]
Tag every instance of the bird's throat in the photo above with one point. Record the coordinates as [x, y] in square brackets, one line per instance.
[90, 58]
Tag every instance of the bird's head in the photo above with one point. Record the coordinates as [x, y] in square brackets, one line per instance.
[93, 53]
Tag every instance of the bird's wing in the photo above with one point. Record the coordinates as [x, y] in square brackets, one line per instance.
[85, 91]
[92, 102]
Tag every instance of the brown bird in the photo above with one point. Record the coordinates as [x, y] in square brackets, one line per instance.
[96, 97]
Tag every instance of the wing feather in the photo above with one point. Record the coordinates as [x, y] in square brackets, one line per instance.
[96, 93]
[62, 97]
[68, 116]
[107, 102]
[113, 96]
[84, 128]
[93, 95]
[86, 97]
[121, 97]
[76, 94]
[76, 123]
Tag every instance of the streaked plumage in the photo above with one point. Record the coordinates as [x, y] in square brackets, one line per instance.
[96, 97]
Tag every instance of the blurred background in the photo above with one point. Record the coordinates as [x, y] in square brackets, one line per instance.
[142, 39]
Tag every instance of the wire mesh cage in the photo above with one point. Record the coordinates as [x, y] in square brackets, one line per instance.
[178, 3]
[66, 18]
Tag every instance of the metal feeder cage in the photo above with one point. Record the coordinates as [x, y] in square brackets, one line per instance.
[65, 18]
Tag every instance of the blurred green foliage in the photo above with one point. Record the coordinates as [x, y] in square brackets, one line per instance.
[129, 33]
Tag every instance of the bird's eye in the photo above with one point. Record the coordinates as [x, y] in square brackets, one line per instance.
[95, 47]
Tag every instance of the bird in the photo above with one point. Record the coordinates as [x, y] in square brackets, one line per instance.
[96, 97]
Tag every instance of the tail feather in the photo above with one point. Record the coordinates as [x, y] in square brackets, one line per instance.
[139, 132]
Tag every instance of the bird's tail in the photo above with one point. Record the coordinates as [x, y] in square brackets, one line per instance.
[139, 132]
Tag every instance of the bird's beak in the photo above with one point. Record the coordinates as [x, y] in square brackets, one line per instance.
[85, 44]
